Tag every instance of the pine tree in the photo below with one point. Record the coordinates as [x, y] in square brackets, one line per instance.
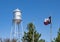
[57, 39]
[28, 36]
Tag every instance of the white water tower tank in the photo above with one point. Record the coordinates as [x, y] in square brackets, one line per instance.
[17, 16]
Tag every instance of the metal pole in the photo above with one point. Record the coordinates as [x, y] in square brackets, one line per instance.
[33, 35]
[51, 32]
[11, 33]
[18, 33]
[22, 28]
[15, 32]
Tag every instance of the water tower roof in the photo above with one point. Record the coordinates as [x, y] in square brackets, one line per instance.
[17, 10]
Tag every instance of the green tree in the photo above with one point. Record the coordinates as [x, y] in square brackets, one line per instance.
[28, 36]
[14, 40]
[57, 39]
[8, 40]
[41, 40]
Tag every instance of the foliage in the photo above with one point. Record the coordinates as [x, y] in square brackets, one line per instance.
[28, 36]
[57, 39]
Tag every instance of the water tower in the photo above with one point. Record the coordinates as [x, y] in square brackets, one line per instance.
[16, 21]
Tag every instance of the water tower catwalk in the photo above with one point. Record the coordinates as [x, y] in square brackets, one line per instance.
[15, 30]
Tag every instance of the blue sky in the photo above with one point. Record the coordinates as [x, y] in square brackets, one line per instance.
[32, 11]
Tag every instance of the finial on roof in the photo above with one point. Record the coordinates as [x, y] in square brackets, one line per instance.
[16, 10]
